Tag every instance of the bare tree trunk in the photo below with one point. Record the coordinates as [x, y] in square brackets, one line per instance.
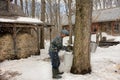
[21, 2]
[70, 21]
[81, 52]
[95, 4]
[110, 3]
[42, 19]
[59, 16]
[69, 13]
[100, 5]
[66, 6]
[8, 5]
[104, 4]
[117, 3]
[56, 14]
[33, 8]
[15, 1]
[26, 7]
[51, 19]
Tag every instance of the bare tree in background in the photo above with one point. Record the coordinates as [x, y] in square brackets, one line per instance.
[33, 8]
[21, 2]
[26, 7]
[69, 14]
[15, 1]
[95, 4]
[54, 16]
[117, 3]
[105, 4]
[70, 20]
[51, 18]
[43, 9]
[59, 16]
[81, 60]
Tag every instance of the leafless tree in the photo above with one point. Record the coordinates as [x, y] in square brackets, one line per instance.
[42, 19]
[33, 8]
[15, 1]
[26, 7]
[69, 14]
[21, 2]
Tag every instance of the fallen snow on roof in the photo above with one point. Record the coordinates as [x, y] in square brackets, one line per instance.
[22, 20]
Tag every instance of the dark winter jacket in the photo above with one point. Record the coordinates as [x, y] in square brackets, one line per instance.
[56, 45]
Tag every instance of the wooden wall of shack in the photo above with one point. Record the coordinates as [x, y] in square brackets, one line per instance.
[111, 27]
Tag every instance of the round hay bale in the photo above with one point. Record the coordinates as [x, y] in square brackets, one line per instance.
[26, 45]
[6, 47]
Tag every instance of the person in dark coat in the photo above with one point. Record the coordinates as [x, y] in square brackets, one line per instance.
[55, 46]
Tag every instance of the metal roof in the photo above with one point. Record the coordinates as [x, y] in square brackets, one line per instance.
[112, 14]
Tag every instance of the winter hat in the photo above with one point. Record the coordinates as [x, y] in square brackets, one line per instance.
[64, 31]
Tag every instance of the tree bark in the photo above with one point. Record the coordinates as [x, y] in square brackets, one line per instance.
[81, 60]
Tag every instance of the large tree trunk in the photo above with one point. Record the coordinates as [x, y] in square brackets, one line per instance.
[81, 59]
[42, 19]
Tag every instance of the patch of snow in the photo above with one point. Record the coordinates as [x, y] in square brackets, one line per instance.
[105, 64]
[22, 20]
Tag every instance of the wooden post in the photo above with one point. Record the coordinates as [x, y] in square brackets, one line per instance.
[50, 34]
[97, 34]
[100, 31]
[112, 31]
[38, 39]
[8, 5]
[14, 39]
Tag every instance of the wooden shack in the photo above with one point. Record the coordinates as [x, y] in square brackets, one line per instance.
[107, 20]
[16, 39]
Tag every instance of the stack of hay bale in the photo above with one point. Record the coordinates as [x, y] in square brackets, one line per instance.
[6, 47]
[26, 45]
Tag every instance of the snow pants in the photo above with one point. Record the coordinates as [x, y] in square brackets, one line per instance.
[54, 59]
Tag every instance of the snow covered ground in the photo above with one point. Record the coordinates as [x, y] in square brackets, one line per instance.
[105, 64]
